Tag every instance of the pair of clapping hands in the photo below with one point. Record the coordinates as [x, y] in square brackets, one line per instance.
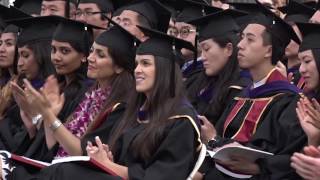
[308, 112]
[33, 103]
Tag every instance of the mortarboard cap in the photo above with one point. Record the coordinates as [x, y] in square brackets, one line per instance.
[156, 13]
[217, 24]
[190, 9]
[121, 40]
[119, 5]
[251, 7]
[161, 44]
[8, 13]
[275, 25]
[73, 31]
[310, 33]
[34, 29]
[297, 12]
[29, 6]
[11, 29]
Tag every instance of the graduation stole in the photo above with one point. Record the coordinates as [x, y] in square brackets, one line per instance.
[257, 98]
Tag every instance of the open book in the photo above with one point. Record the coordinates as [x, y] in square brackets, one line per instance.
[225, 154]
[76, 159]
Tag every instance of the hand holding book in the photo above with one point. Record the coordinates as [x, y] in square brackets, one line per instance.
[237, 160]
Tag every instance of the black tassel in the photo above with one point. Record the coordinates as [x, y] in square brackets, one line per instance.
[173, 71]
[67, 9]
[194, 64]
[86, 41]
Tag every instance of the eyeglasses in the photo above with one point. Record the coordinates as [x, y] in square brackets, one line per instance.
[87, 13]
[184, 31]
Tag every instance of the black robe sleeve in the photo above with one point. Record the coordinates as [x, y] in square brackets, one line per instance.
[37, 147]
[279, 133]
[174, 157]
[282, 136]
[105, 129]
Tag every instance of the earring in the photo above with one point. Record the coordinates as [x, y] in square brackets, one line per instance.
[84, 60]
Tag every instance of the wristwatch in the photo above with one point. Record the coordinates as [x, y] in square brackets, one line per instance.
[212, 143]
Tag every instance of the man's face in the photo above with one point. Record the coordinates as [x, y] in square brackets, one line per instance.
[186, 32]
[53, 7]
[128, 20]
[252, 50]
[91, 14]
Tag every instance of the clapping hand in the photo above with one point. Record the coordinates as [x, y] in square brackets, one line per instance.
[308, 114]
[306, 166]
[51, 91]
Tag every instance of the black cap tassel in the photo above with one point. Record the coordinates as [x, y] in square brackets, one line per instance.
[67, 9]
[173, 69]
[86, 41]
[194, 64]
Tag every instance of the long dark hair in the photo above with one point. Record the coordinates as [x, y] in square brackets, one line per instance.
[80, 75]
[159, 107]
[42, 54]
[122, 86]
[225, 77]
[316, 55]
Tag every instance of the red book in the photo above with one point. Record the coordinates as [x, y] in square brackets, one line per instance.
[75, 159]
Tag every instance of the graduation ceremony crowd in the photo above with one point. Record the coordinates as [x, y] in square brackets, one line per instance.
[145, 87]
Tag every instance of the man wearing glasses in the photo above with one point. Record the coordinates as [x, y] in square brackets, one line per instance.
[95, 12]
[180, 28]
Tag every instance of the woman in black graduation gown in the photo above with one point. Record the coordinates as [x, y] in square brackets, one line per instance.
[221, 80]
[33, 64]
[306, 164]
[157, 137]
[73, 83]
[68, 56]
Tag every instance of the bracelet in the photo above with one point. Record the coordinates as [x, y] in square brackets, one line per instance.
[55, 125]
[36, 119]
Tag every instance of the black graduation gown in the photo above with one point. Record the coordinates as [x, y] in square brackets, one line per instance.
[277, 128]
[104, 130]
[36, 147]
[201, 102]
[173, 159]
[10, 128]
[191, 74]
